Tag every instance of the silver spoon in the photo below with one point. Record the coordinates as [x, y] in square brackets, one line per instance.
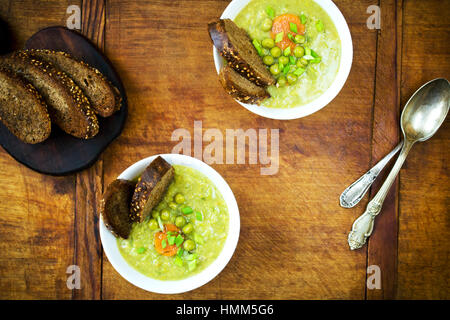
[422, 116]
[356, 191]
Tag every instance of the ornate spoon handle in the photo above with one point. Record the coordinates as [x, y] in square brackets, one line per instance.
[356, 191]
[363, 226]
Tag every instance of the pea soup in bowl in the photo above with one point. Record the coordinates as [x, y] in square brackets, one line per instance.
[189, 237]
[305, 44]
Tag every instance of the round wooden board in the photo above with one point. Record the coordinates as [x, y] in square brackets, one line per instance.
[62, 154]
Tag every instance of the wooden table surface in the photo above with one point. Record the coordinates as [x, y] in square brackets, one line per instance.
[293, 241]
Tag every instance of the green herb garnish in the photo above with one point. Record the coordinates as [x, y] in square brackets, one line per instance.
[178, 261]
[293, 27]
[199, 216]
[141, 250]
[180, 252]
[171, 240]
[303, 18]
[270, 12]
[292, 59]
[314, 54]
[257, 46]
[279, 37]
[319, 26]
[286, 69]
[316, 60]
[291, 37]
[299, 71]
[164, 243]
[187, 210]
[179, 240]
[287, 51]
[307, 51]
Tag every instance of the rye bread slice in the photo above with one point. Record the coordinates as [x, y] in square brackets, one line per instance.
[236, 47]
[22, 109]
[240, 88]
[115, 207]
[150, 188]
[104, 97]
[68, 107]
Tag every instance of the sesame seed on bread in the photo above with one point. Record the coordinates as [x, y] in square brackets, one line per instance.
[105, 99]
[68, 107]
[240, 88]
[150, 188]
[22, 109]
[236, 47]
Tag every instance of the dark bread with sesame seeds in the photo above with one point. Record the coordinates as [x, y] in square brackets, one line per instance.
[240, 88]
[22, 109]
[236, 47]
[68, 107]
[150, 188]
[104, 97]
[115, 207]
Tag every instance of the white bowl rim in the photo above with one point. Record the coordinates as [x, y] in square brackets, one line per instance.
[138, 279]
[345, 65]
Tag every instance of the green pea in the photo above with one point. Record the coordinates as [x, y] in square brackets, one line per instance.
[275, 69]
[152, 224]
[291, 78]
[155, 214]
[284, 60]
[179, 198]
[304, 61]
[172, 205]
[275, 52]
[189, 245]
[188, 228]
[165, 214]
[266, 25]
[281, 81]
[180, 221]
[299, 52]
[268, 60]
[268, 43]
[299, 39]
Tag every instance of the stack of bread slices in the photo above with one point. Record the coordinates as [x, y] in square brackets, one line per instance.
[244, 77]
[40, 87]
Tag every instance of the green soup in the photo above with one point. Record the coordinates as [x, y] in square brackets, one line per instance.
[209, 218]
[324, 41]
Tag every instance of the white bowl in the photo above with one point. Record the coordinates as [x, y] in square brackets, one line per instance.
[338, 19]
[109, 242]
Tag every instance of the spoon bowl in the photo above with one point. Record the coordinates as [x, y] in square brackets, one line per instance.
[426, 110]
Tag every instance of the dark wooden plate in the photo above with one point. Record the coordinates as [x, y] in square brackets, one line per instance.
[61, 153]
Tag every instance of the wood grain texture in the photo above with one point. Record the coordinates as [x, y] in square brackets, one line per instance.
[89, 188]
[423, 253]
[49, 223]
[382, 245]
[37, 212]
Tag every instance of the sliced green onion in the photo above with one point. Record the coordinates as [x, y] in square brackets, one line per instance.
[257, 46]
[141, 250]
[293, 27]
[164, 243]
[291, 37]
[199, 216]
[299, 71]
[319, 26]
[303, 18]
[171, 240]
[316, 60]
[314, 54]
[287, 51]
[270, 12]
[286, 69]
[292, 59]
[179, 240]
[187, 210]
[180, 252]
[160, 224]
[279, 37]
[178, 261]
[307, 51]
[308, 57]
[280, 65]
